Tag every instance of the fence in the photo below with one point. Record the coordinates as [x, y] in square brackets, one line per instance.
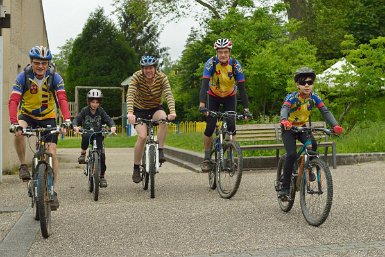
[180, 127]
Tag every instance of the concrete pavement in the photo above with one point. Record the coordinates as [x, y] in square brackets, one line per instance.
[188, 219]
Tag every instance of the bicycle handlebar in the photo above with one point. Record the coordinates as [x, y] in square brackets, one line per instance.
[32, 131]
[104, 131]
[153, 122]
[225, 114]
[304, 129]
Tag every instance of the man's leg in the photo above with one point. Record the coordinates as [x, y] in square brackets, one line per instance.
[20, 148]
[162, 132]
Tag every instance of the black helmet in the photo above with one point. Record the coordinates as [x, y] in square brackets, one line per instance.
[304, 72]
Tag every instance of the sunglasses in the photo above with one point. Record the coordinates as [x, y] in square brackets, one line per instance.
[304, 82]
[37, 63]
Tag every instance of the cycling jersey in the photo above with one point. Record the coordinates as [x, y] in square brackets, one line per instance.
[37, 101]
[223, 77]
[143, 96]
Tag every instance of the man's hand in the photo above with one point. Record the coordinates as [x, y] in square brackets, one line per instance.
[247, 114]
[131, 118]
[17, 129]
[287, 125]
[338, 130]
[66, 125]
[171, 116]
[76, 129]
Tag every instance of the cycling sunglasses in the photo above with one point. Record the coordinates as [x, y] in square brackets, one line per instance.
[304, 82]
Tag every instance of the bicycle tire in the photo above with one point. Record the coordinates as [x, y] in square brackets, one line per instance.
[96, 175]
[144, 173]
[317, 195]
[287, 205]
[152, 169]
[90, 164]
[32, 191]
[229, 177]
[43, 201]
[212, 172]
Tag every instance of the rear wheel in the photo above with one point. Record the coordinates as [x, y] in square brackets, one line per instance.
[316, 193]
[152, 169]
[96, 175]
[212, 172]
[229, 176]
[284, 204]
[43, 201]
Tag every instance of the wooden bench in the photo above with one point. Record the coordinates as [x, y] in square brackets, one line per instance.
[268, 137]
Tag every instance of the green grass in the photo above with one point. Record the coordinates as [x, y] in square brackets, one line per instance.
[363, 139]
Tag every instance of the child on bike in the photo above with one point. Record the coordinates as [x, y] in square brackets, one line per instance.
[295, 111]
[93, 116]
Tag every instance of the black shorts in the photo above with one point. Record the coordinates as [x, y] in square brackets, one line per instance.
[42, 124]
[146, 114]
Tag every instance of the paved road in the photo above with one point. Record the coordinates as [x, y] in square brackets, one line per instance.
[188, 219]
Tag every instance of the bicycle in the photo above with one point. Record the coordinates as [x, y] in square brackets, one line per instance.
[226, 172]
[150, 161]
[40, 188]
[93, 164]
[311, 176]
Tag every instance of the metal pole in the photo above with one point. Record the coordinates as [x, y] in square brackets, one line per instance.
[2, 104]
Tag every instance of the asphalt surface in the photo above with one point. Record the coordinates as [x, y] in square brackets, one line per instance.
[186, 218]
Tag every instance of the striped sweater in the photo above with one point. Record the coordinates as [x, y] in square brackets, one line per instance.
[144, 96]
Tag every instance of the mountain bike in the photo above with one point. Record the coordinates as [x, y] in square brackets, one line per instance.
[226, 172]
[311, 176]
[93, 164]
[40, 187]
[150, 160]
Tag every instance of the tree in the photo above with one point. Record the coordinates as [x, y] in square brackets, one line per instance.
[139, 27]
[100, 57]
[61, 59]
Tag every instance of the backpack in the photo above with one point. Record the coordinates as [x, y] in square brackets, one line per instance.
[27, 86]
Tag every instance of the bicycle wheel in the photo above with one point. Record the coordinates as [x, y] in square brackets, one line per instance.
[95, 171]
[212, 172]
[229, 176]
[90, 164]
[43, 201]
[317, 195]
[144, 173]
[284, 204]
[151, 172]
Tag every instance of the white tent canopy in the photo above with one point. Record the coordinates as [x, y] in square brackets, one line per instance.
[340, 67]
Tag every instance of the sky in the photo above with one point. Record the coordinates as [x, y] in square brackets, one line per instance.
[66, 19]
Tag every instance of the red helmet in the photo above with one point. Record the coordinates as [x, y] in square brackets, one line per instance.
[223, 43]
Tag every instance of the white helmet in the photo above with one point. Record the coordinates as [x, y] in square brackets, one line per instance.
[94, 94]
[223, 43]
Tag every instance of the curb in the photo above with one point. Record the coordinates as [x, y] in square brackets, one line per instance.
[192, 160]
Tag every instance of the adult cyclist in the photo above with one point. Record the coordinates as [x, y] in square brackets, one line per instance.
[295, 111]
[36, 89]
[145, 93]
[222, 78]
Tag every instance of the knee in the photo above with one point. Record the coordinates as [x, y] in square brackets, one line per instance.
[142, 138]
[291, 156]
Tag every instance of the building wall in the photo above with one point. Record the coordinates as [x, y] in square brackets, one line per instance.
[27, 30]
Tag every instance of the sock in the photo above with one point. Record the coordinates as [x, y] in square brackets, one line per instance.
[136, 167]
[207, 155]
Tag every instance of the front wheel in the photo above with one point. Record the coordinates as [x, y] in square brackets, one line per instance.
[90, 164]
[316, 192]
[43, 200]
[284, 204]
[152, 169]
[229, 174]
[95, 171]
[144, 173]
[212, 171]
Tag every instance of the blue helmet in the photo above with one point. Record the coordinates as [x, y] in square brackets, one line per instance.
[40, 52]
[148, 60]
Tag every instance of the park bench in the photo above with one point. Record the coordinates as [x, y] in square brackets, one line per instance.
[268, 137]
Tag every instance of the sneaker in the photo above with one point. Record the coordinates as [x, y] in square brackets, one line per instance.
[24, 172]
[54, 202]
[136, 177]
[103, 182]
[82, 159]
[161, 156]
[207, 165]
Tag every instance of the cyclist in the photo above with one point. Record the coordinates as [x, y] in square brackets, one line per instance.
[295, 111]
[36, 89]
[93, 116]
[144, 99]
[222, 77]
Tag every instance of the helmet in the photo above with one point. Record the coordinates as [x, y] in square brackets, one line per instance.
[223, 43]
[94, 94]
[148, 60]
[303, 73]
[40, 52]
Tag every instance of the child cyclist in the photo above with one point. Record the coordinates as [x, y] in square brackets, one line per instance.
[296, 111]
[93, 116]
